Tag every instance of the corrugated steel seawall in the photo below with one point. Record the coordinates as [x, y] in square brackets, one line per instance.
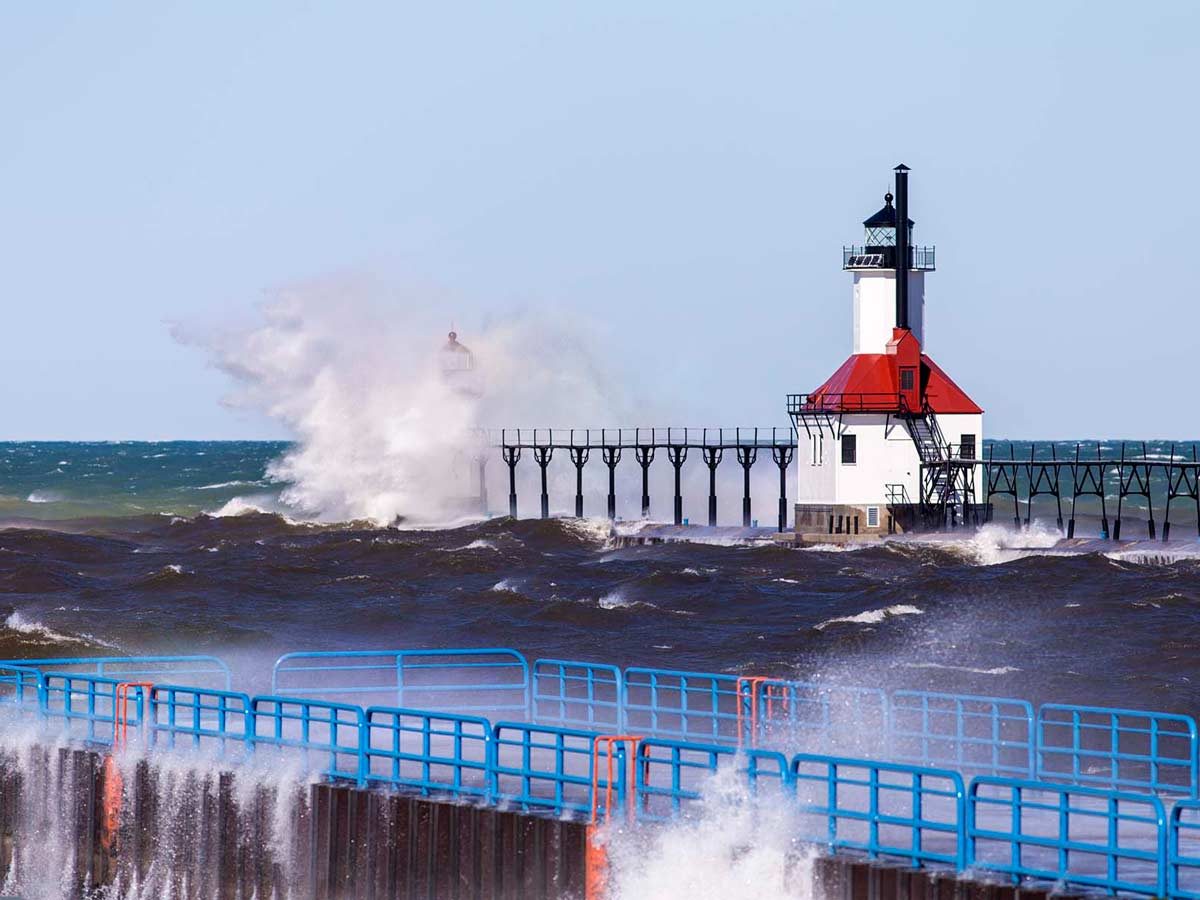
[854, 878]
[197, 835]
[68, 815]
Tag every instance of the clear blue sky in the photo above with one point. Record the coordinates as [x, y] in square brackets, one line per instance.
[684, 172]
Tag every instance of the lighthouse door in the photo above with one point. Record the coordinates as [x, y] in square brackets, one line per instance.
[908, 386]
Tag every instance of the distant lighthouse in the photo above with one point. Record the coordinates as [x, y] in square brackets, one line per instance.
[885, 437]
[457, 363]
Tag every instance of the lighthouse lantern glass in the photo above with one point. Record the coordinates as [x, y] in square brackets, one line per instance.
[881, 237]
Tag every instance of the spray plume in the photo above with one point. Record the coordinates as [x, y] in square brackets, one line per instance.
[353, 372]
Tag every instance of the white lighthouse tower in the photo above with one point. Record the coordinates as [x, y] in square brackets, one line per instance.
[887, 438]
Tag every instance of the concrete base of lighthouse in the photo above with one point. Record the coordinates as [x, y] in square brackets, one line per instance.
[853, 519]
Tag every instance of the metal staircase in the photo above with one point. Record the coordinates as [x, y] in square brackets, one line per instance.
[939, 488]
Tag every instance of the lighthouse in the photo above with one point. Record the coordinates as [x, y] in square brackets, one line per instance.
[888, 441]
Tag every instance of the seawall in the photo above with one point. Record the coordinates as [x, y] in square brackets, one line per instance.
[72, 825]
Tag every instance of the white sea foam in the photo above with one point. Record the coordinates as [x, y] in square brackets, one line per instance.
[995, 670]
[40, 496]
[255, 504]
[872, 616]
[995, 544]
[225, 484]
[477, 544]
[616, 600]
[16, 621]
[729, 846]
[839, 548]
[32, 628]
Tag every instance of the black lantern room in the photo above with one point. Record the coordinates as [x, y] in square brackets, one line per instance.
[879, 231]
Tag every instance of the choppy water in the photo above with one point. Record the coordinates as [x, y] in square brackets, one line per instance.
[131, 564]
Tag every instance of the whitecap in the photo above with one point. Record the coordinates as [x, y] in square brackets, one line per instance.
[479, 544]
[872, 616]
[614, 600]
[997, 670]
[45, 497]
[33, 628]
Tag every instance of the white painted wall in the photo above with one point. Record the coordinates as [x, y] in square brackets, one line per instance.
[875, 309]
[885, 455]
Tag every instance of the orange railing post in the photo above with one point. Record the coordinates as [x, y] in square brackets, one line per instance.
[761, 687]
[114, 785]
[596, 853]
[121, 709]
[754, 682]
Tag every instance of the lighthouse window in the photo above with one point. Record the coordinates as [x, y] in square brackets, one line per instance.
[849, 449]
[906, 379]
[967, 446]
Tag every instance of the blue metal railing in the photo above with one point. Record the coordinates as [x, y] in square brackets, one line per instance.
[318, 730]
[491, 680]
[1122, 749]
[852, 717]
[208, 671]
[86, 705]
[433, 752]
[683, 705]
[987, 735]
[1096, 838]
[552, 770]
[202, 719]
[577, 694]
[670, 774]
[1106, 831]
[883, 809]
[1183, 851]
[21, 686]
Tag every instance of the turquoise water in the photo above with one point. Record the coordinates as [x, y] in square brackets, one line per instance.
[50, 480]
[71, 480]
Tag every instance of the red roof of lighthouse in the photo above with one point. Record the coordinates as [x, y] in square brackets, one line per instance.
[869, 382]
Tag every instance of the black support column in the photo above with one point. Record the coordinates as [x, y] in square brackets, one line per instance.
[783, 459]
[645, 456]
[746, 457]
[481, 463]
[542, 456]
[611, 456]
[677, 454]
[712, 459]
[579, 456]
[512, 456]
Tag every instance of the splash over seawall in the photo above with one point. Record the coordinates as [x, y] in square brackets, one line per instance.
[75, 824]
